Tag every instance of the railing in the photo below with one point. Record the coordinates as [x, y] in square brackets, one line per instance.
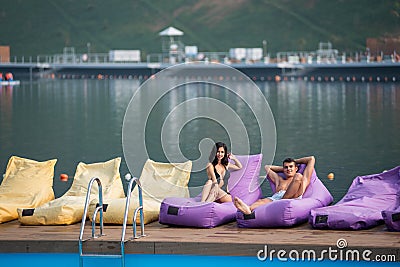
[303, 57]
[138, 209]
[100, 208]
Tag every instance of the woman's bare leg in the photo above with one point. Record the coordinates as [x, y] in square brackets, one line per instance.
[224, 197]
[213, 193]
[206, 190]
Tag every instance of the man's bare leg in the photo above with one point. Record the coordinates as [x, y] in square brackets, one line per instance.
[260, 202]
[295, 188]
[245, 209]
[240, 205]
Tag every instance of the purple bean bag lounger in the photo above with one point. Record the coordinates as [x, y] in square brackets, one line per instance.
[362, 206]
[191, 212]
[392, 218]
[287, 212]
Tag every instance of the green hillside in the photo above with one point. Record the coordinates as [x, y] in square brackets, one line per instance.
[33, 27]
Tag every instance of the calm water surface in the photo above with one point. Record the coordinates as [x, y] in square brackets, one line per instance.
[351, 128]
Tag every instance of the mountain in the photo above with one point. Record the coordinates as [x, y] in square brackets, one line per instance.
[43, 27]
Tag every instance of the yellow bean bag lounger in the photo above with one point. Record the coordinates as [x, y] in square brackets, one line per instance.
[158, 180]
[68, 209]
[26, 184]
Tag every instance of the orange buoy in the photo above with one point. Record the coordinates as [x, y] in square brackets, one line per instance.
[63, 177]
[331, 176]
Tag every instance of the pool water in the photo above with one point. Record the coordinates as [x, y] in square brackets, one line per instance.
[72, 260]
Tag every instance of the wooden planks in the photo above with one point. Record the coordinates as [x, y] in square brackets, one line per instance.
[224, 240]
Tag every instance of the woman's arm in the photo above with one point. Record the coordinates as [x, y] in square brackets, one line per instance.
[237, 165]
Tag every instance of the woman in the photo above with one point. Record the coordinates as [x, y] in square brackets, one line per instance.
[218, 174]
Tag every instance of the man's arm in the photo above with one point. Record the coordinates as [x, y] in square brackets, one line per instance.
[271, 171]
[310, 163]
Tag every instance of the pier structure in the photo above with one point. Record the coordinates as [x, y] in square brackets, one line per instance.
[172, 47]
[323, 65]
[315, 72]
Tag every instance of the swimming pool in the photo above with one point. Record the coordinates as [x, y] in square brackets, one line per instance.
[72, 260]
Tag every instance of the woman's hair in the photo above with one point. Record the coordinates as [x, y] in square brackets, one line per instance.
[213, 155]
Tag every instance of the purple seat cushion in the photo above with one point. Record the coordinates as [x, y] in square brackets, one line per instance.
[362, 206]
[287, 212]
[191, 212]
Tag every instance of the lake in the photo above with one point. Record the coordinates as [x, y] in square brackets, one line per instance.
[351, 128]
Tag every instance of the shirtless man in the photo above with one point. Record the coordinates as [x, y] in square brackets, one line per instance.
[293, 186]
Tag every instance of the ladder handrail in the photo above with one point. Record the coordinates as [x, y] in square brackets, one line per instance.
[128, 198]
[86, 209]
[140, 208]
[100, 208]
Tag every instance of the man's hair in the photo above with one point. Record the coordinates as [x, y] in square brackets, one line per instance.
[289, 160]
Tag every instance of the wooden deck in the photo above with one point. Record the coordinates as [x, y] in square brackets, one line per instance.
[226, 240]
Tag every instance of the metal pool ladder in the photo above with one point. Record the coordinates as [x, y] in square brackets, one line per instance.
[100, 207]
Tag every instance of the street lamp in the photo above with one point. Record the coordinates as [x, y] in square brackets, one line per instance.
[88, 50]
[264, 42]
